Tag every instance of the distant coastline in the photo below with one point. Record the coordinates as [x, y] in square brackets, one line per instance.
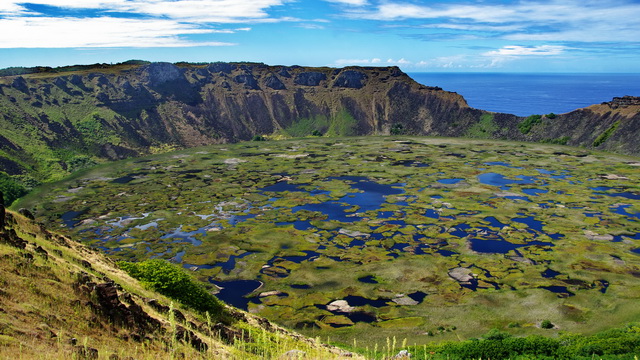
[527, 94]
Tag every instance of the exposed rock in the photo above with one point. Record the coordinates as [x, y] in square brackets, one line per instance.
[273, 82]
[340, 306]
[248, 80]
[405, 300]
[403, 354]
[624, 101]
[350, 79]
[310, 78]
[11, 238]
[20, 84]
[353, 233]
[614, 177]
[85, 353]
[162, 72]
[461, 274]
[190, 338]
[595, 236]
[229, 334]
[270, 293]
[218, 67]
[284, 72]
[132, 316]
[26, 213]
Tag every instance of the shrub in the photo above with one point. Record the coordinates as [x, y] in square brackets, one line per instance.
[546, 324]
[11, 189]
[551, 116]
[526, 125]
[397, 129]
[258, 138]
[172, 281]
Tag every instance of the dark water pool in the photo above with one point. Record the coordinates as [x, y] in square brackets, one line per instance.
[233, 292]
[496, 179]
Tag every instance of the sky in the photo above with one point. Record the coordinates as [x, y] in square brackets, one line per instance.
[601, 36]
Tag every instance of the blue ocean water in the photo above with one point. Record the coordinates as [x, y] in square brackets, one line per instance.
[527, 94]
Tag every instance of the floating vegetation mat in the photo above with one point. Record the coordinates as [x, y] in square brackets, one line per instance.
[378, 235]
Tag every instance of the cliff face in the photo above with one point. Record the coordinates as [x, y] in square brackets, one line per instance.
[55, 123]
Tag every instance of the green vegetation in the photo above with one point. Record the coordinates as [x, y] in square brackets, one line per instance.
[397, 129]
[170, 280]
[526, 125]
[342, 124]
[484, 128]
[207, 206]
[11, 188]
[551, 116]
[559, 141]
[606, 134]
[308, 126]
[546, 324]
[621, 343]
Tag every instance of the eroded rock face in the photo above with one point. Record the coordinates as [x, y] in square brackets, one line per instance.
[310, 78]
[20, 84]
[248, 81]
[160, 73]
[351, 79]
[273, 82]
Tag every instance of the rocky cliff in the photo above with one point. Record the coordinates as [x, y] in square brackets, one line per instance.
[55, 123]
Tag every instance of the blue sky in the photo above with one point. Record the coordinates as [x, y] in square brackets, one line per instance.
[418, 36]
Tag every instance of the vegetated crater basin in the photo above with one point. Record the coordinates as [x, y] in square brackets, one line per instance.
[288, 228]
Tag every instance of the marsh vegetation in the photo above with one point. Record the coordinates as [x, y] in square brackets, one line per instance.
[369, 238]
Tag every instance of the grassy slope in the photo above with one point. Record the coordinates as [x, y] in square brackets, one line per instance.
[43, 308]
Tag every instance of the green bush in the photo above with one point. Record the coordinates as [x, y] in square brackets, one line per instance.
[170, 280]
[551, 116]
[526, 125]
[258, 138]
[610, 344]
[397, 129]
[10, 188]
[546, 324]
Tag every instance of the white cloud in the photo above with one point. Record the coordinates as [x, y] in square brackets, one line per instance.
[518, 51]
[350, 2]
[48, 32]
[551, 20]
[220, 11]
[156, 23]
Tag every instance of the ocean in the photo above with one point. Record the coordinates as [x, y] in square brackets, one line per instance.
[527, 94]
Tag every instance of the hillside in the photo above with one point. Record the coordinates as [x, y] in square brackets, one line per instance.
[62, 300]
[55, 122]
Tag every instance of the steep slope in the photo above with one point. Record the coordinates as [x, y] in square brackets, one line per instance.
[61, 300]
[55, 123]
